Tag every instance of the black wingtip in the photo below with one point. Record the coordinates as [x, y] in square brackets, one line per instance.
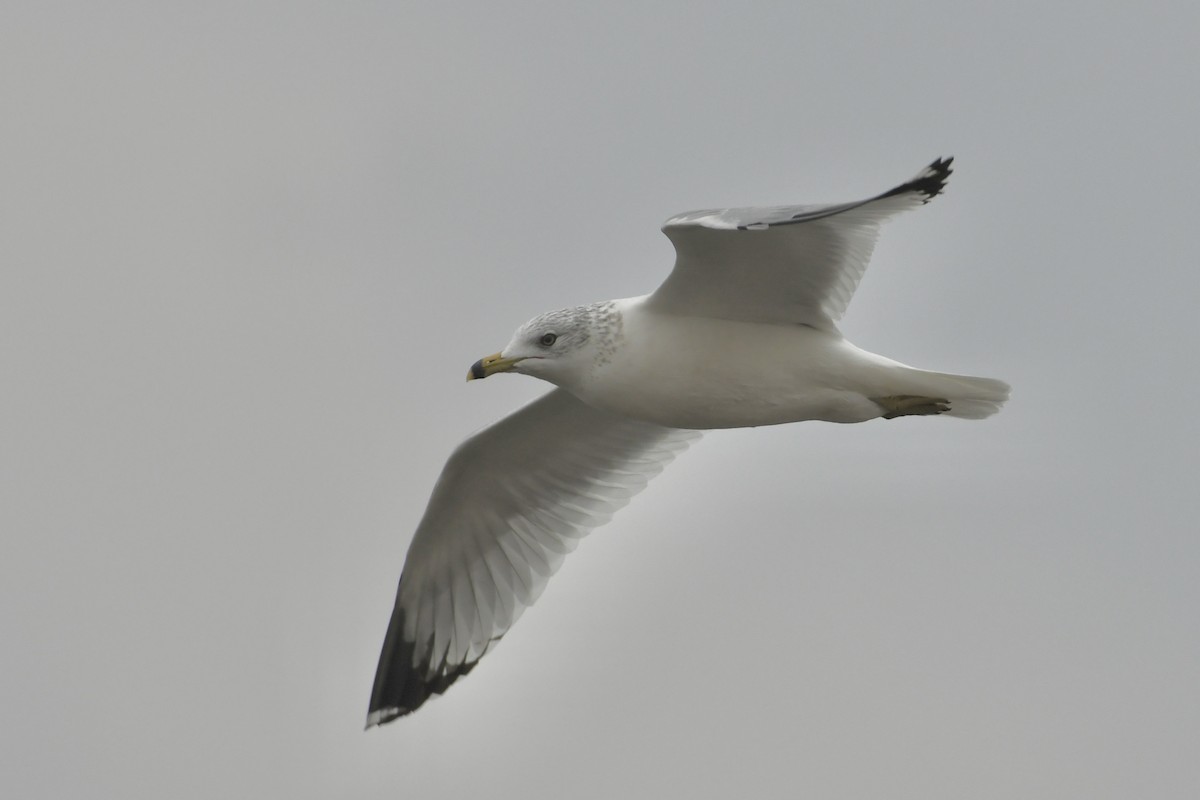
[930, 182]
[401, 687]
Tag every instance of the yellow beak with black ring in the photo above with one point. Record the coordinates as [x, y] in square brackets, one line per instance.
[491, 365]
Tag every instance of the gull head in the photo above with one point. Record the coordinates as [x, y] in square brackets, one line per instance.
[561, 347]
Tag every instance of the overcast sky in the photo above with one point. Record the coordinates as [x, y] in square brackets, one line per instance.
[248, 251]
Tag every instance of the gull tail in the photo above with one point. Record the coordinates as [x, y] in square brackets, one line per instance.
[970, 397]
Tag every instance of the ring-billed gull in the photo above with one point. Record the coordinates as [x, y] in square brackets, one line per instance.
[742, 333]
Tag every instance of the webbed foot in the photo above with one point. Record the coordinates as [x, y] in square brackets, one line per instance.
[904, 405]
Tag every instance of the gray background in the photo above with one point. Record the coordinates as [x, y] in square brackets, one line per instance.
[249, 251]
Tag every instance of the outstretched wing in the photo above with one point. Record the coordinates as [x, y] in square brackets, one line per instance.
[511, 502]
[783, 264]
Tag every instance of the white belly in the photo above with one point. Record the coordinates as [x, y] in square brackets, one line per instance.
[690, 372]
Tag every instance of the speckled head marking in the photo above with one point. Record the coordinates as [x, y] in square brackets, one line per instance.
[608, 324]
[597, 325]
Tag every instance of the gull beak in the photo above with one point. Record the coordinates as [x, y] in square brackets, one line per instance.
[490, 366]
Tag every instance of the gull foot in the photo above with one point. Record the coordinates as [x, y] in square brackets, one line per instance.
[903, 405]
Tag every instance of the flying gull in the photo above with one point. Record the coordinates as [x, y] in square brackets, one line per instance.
[742, 333]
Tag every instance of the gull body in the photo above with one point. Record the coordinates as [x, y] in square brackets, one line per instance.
[703, 373]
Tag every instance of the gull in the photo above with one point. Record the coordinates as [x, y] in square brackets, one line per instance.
[742, 333]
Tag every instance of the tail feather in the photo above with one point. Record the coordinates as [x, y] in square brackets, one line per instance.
[970, 397]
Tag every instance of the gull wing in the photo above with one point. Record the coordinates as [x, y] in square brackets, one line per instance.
[782, 264]
[511, 502]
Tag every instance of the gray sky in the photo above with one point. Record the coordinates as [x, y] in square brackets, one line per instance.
[249, 250]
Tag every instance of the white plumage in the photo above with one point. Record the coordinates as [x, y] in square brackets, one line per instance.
[742, 333]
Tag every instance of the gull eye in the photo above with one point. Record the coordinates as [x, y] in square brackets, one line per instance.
[549, 339]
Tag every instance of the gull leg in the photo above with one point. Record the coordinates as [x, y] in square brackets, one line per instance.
[903, 405]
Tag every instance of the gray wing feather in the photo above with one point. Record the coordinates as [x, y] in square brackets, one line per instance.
[782, 264]
[511, 502]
